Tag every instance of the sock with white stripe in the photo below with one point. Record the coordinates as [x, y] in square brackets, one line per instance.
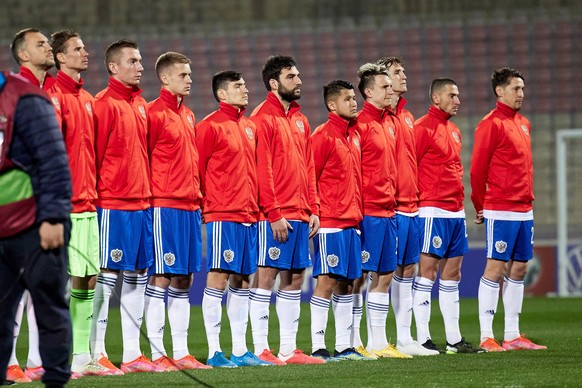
[288, 305]
[237, 308]
[155, 314]
[357, 313]
[212, 314]
[377, 306]
[16, 332]
[259, 303]
[342, 312]
[319, 308]
[421, 305]
[401, 297]
[450, 309]
[512, 302]
[488, 297]
[103, 290]
[132, 301]
[179, 318]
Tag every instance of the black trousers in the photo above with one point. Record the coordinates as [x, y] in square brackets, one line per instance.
[25, 265]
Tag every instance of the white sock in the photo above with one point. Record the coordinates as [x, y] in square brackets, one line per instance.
[16, 332]
[488, 297]
[103, 290]
[319, 312]
[288, 305]
[80, 360]
[401, 297]
[179, 317]
[377, 306]
[512, 302]
[237, 308]
[449, 305]
[421, 304]
[259, 303]
[34, 359]
[212, 314]
[155, 315]
[357, 313]
[132, 310]
[342, 312]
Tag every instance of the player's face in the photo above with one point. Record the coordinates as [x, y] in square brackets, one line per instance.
[128, 68]
[448, 99]
[398, 77]
[289, 84]
[75, 56]
[345, 104]
[381, 93]
[37, 51]
[237, 94]
[178, 79]
[512, 94]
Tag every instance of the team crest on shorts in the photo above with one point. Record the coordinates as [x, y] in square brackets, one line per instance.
[437, 242]
[392, 132]
[365, 256]
[456, 136]
[89, 108]
[56, 103]
[356, 142]
[274, 253]
[524, 129]
[500, 246]
[190, 120]
[228, 255]
[169, 259]
[116, 255]
[250, 133]
[141, 109]
[300, 125]
[332, 260]
[408, 122]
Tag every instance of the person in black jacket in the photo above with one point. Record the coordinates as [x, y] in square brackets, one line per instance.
[35, 203]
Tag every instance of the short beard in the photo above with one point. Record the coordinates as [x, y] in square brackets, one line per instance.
[287, 95]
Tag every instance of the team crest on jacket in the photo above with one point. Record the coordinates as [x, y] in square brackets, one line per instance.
[408, 122]
[332, 260]
[274, 253]
[141, 109]
[524, 129]
[300, 125]
[116, 255]
[392, 132]
[228, 255]
[190, 120]
[456, 136]
[249, 133]
[356, 142]
[500, 246]
[89, 108]
[437, 242]
[365, 256]
[169, 259]
[56, 103]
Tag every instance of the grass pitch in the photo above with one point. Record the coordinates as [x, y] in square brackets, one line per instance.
[556, 323]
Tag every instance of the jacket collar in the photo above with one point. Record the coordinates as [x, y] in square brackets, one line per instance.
[343, 126]
[171, 100]
[232, 112]
[127, 93]
[375, 113]
[505, 109]
[68, 84]
[438, 114]
[274, 101]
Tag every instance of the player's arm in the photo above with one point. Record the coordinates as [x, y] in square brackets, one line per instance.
[205, 142]
[104, 122]
[265, 150]
[483, 148]
[312, 185]
[155, 126]
[422, 140]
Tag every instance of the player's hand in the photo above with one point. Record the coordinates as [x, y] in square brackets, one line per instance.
[479, 218]
[281, 229]
[313, 225]
[52, 236]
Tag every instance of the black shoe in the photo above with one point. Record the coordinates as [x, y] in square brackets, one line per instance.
[462, 347]
[7, 382]
[322, 354]
[431, 346]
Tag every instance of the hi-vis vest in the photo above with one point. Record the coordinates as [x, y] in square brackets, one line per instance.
[17, 202]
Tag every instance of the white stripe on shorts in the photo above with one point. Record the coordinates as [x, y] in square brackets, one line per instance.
[158, 246]
[323, 253]
[216, 244]
[263, 225]
[490, 238]
[427, 233]
[104, 229]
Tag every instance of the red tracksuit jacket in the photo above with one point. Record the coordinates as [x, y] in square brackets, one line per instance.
[407, 182]
[48, 83]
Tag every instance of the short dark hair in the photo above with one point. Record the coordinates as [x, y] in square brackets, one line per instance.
[114, 48]
[334, 88]
[389, 61]
[437, 84]
[221, 80]
[367, 74]
[59, 41]
[502, 77]
[168, 59]
[273, 67]
[18, 42]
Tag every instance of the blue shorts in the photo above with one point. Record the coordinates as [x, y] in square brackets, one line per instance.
[379, 244]
[292, 254]
[177, 241]
[408, 240]
[232, 247]
[444, 237]
[338, 254]
[126, 241]
[509, 240]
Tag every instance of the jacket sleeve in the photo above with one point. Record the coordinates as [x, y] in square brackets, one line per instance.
[483, 148]
[104, 121]
[155, 126]
[422, 139]
[205, 139]
[46, 161]
[311, 173]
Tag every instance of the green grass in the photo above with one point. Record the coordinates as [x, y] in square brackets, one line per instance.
[553, 322]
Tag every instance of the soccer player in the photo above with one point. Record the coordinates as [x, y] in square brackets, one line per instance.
[289, 209]
[176, 207]
[502, 193]
[337, 155]
[378, 256]
[407, 222]
[74, 108]
[442, 216]
[227, 142]
[123, 190]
